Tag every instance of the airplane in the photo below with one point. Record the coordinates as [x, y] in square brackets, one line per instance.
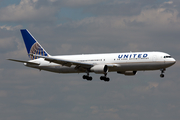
[123, 63]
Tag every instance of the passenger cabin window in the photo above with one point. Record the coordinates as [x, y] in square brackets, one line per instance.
[167, 56]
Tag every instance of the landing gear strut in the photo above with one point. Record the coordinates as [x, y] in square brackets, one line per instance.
[162, 73]
[87, 77]
[106, 79]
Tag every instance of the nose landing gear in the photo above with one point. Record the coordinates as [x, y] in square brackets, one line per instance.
[162, 73]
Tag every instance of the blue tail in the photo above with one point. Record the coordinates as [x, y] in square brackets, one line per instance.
[32, 46]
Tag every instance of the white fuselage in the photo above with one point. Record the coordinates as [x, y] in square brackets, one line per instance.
[120, 62]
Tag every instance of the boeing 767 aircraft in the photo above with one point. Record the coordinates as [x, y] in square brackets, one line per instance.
[122, 63]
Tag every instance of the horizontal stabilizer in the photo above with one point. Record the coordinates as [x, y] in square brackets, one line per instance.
[23, 61]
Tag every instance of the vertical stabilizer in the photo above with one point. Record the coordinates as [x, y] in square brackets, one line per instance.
[32, 45]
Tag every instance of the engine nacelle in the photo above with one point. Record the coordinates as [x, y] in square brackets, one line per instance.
[127, 72]
[100, 69]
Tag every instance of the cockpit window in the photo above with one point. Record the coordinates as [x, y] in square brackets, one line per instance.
[167, 56]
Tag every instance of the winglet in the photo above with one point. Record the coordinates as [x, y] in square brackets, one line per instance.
[32, 45]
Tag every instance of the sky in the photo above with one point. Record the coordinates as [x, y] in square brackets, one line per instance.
[89, 26]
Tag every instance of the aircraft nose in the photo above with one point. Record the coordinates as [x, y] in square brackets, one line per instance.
[172, 61]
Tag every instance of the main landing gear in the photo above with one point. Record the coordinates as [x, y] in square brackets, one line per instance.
[89, 78]
[106, 79]
[162, 73]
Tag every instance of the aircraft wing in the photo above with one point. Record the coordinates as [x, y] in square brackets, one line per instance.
[64, 62]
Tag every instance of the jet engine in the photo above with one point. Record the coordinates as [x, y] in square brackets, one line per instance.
[100, 69]
[127, 72]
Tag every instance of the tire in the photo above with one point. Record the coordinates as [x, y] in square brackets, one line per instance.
[161, 75]
[102, 78]
[107, 79]
[84, 77]
[89, 78]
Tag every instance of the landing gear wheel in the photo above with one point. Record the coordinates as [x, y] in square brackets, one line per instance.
[161, 75]
[102, 77]
[84, 76]
[162, 71]
[89, 78]
[106, 79]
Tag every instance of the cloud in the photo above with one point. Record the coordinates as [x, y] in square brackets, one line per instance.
[114, 26]
[105, 113]
[11, 27]
[25, 11]
[148, 88]
[7, 44]
[159, 16]
[168, 2]
[133, 33]
[79, 3]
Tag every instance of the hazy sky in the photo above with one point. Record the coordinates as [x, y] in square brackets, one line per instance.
[89, 26]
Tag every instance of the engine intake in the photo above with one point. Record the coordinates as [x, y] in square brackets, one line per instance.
[100, 69]
[127, 72]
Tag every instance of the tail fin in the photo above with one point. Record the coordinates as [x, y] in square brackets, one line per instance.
[32, 45]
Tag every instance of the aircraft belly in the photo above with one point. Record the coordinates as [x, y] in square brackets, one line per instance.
[121, 67]
[138, 67]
